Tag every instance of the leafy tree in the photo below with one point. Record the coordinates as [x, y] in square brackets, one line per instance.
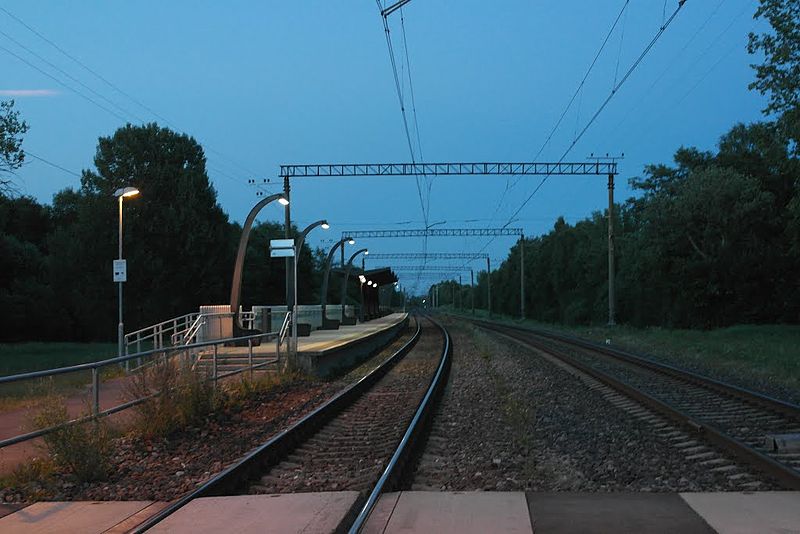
[779, 75]
[11, 154]
[177, 240]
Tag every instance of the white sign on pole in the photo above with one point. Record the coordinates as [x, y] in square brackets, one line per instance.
[281, 253]
[281, 243]
[120, 270]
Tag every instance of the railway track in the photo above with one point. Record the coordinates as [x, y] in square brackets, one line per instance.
[360, 440]
[711, 415]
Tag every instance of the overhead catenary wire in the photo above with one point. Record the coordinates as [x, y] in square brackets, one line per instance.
[578, 91]
[597, 113]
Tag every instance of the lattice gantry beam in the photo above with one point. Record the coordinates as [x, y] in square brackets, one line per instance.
[449, 169]
[430, 268]
[435, 232]
[427, 255]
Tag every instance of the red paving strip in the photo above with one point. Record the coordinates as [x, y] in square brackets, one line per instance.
[19, 421]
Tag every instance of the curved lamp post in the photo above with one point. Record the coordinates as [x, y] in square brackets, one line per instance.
[327, 274]
[298, 245]
[122, 192]
[347, 275]
[236, 284]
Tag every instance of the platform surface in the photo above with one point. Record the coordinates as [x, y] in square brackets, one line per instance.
[85, 517]
[325, 340]
[742, 513]
[309, 513]
[437, 512]
[450, 512]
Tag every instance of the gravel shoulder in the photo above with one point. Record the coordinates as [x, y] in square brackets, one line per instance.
[511, 420]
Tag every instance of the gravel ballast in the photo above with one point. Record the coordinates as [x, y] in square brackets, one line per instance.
[512, 420]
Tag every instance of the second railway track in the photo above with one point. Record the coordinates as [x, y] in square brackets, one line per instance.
[360, 440]
[733, 419]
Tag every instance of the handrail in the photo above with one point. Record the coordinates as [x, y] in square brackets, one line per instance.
[162, 323]
[95, 366]
[121, 359]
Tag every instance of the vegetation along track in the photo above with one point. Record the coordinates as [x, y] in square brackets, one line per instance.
[360, 440]
[745, 424]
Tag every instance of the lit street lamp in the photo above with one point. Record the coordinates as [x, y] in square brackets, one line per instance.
[120, 268]
[236, 283]
[299, 242]
[326, 276]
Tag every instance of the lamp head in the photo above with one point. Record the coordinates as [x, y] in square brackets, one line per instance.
[366, 253]
[351, 241]
[283, 201]
[325, 225]
[126, 192]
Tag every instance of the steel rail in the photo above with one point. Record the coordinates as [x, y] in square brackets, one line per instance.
[393, 471]
[238, 474]
[785, 475]
[781, 406]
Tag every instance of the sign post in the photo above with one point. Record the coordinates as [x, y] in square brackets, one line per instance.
[285, 248]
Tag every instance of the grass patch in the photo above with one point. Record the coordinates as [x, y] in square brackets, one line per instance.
[749, 354]
[16, 358]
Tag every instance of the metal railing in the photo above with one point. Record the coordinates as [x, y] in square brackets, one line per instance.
[158, 333]
[95, 367]
[173, 330]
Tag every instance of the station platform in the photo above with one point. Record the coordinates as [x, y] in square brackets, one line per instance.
[324, 352]
[440, 512]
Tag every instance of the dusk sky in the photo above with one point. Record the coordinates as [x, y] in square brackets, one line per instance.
[259, 84]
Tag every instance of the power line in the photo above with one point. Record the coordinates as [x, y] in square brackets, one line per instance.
[56, 165]
[69, 76]
[398, 90]
[614, 90]
[69, 87]
[112, 86]
[569, 104]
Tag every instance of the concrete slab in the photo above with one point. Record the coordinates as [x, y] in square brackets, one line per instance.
[459, 512]
[762, 512]
[297, 512]
[635, 513]
[57, 517]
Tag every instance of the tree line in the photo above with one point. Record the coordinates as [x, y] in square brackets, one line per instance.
[55, 260]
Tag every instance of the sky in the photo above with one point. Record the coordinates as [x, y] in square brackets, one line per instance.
[260, 84]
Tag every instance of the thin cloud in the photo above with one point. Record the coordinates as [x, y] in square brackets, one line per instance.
[22, 93]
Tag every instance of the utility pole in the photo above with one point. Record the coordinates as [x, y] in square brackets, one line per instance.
[522, 276]
[489, 286]
[472, 290]
[460, 295]
[287, 231]
[611, 296]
